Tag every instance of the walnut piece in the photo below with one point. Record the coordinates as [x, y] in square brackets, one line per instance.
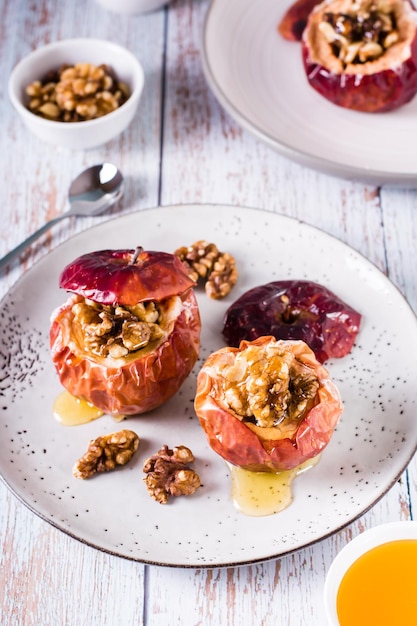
[267, 387]
[204, 262]
[117, 331]
[168, 474]
[77, 93]
[106, 453]
[363, 33]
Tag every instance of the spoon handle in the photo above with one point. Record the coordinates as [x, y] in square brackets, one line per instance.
[22, 246]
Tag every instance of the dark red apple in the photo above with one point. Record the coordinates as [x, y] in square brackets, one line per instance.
[239, 439]
[119, 282]
[294, 21]
[294, 309]
[126, 277]
[362, 55]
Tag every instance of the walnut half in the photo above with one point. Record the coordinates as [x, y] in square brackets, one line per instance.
[268, 385]
[106, 453]
[168, 474]
[204, 262]
[116, 331]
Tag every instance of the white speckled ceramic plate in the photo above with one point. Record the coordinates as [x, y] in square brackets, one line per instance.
[374, 442]
[258, 78]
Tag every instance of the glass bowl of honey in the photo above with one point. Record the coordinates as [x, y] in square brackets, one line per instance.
[372, 581]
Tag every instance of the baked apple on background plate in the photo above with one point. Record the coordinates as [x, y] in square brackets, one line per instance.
[359, 54]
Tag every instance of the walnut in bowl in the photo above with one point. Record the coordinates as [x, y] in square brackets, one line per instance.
[100, 78]
[77, 93]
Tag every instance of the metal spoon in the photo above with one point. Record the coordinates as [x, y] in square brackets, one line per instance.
[94, 191]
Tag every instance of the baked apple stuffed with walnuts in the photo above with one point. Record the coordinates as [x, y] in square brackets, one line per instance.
[362, 55]
[267, 405]
[359, 54]
[129, 335]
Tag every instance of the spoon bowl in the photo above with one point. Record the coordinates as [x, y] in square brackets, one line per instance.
[94, 191]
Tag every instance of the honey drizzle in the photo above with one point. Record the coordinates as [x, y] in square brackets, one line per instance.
[264, 493]
[72, 411]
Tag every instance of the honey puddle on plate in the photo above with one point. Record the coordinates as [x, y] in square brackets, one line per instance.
[380, 588]
[71, 411]
[264, 493]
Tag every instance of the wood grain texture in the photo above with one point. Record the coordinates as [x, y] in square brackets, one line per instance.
[181, 148]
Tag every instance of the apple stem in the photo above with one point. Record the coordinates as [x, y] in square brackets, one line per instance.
[137, 252]
[287, 314]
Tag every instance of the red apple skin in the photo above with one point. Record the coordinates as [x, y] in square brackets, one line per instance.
[139, 385]
[110, 277]
[374, 93]
[292, 25]
[382, 91]
[320, 318]
[234, 441]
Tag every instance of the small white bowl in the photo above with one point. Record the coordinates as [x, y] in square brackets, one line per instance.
[132, 6]
[361, 544]
[90, 133]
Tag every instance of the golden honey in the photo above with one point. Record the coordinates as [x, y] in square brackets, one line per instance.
[264, 493]
[380, 588]
[72, 411]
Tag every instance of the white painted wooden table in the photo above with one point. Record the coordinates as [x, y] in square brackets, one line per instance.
[181, 148]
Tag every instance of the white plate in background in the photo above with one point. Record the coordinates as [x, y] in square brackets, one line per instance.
[258, 77]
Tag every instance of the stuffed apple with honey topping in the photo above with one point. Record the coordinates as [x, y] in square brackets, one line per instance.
[267, 405]
[129, 335]
[362, 54]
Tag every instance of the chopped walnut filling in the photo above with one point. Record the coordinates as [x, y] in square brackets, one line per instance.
[268, 386]
[117, 331]
[168, 474]
[204, 262]
[77, 93]
[362, 33]
[106, 453]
